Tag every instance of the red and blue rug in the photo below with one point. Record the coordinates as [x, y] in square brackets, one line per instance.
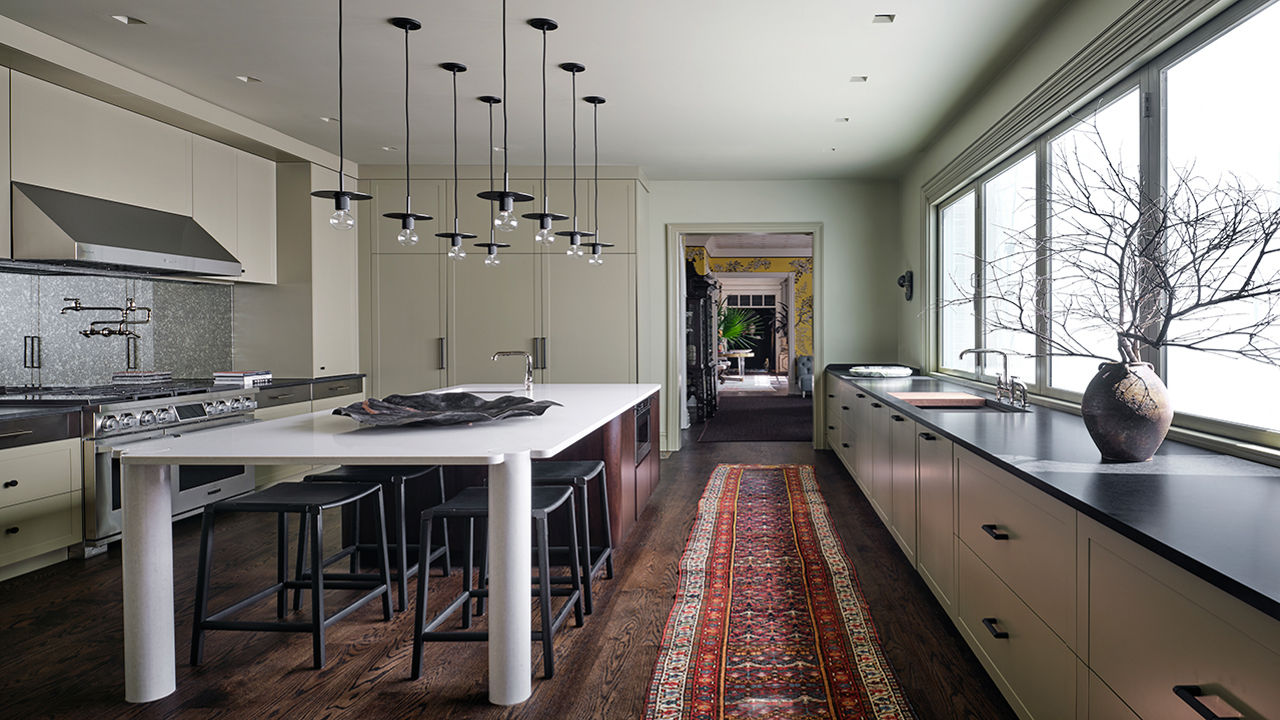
[769, 621]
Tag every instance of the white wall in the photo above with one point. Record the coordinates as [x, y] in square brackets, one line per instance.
[856, 276]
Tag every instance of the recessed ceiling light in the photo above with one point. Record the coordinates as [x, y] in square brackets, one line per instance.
[248, 79]
[329, 119]
[883, 18]
[842, 119]
[390, 148]
[129, 20]
[858, 79]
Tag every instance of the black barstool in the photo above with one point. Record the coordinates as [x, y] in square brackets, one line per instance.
[577, 474]
[392, 478]
[472, 504]
[308, 500]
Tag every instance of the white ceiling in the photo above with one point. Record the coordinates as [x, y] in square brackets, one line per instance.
[696, 89]
[753, 244]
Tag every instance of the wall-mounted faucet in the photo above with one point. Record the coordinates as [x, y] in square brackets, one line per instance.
[104, 327]
[528, 365]
[1005, 385]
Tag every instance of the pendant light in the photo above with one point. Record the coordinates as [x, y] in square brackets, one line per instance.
[597, 256]
[544, 236]
[455, 238]
[407, 236]
[491, 247]
[575, 235]
[341, 218]
[506, 198]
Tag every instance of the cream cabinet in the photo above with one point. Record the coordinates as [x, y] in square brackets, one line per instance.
[306, 325]
[935, 531]
[492, 308]
[256, 218]
[832, 417]
[40, 500]
[6, 199]
[213, 191]
[902, 484]
[409, 346]
[68, 141]
[589, 319]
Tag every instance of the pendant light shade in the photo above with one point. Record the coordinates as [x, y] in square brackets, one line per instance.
[597, 246]
[341, 218]
[544, 235]
[407, 235]
[506, 198]
[575, 235]
[491, 247]
[455, 238]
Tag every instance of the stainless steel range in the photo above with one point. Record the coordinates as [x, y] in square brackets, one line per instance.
[114, 416]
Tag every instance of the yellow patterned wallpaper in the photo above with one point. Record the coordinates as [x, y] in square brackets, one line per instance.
[801, 270]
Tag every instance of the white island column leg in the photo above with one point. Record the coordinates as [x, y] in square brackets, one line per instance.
[149, 666]
[510, 548]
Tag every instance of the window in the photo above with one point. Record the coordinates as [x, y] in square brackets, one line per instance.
[1009, 245]
[959, 270]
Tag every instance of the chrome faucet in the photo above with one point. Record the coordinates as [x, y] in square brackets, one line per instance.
[1004, 383]
[528, 365]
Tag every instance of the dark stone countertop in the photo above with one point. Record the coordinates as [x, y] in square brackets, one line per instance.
[1216, 516]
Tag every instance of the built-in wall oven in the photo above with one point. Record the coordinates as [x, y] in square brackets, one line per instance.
[113, 427]
[644, 441]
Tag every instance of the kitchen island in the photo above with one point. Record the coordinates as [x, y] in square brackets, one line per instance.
[322, 438]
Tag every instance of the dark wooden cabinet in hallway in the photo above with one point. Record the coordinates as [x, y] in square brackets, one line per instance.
[62, 629]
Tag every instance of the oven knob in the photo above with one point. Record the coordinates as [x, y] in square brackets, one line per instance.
[209, 408]
[108, 423]
[237, 403]
[147, 418]
[128, 421]
[222, 407]
[164, 415]
[250, 403]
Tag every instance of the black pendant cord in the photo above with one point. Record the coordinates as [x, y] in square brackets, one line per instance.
[492, 204]
[341, 125]
[574, 76]
[595, 139]
[407, 202]
[506, 178]
[545, 203]
[454, 73]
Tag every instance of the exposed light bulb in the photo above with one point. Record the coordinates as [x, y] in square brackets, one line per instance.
[342, 220]
[544, 236]
[595, 259]
[506, 221]
[571, 251]
[492, 260]
[456, 251]
[407, 237]
[577, 250]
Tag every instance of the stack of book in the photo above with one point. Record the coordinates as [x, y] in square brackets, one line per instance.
[140, 377]
[242, 378]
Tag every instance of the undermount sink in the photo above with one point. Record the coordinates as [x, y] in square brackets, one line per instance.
[954, 401]
[986, 406]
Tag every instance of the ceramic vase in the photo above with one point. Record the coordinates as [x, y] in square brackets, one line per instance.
[1127, 411]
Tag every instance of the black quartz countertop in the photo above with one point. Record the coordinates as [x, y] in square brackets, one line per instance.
[1216, 516]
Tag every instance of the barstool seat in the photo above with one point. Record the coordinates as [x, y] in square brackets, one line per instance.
[578, 474]
[308, 500]
[393, 479]
[471, 504]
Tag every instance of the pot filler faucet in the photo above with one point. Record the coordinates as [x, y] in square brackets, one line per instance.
[1007, 388]
[528, 365]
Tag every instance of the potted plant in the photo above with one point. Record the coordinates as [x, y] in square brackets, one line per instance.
[738, 327]
[1197, 267]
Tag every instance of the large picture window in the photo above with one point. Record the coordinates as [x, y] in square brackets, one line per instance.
[1041, 256]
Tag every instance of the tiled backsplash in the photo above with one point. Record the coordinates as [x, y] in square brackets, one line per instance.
[189, 333]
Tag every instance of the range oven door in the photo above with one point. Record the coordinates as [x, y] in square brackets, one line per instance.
[194, 486]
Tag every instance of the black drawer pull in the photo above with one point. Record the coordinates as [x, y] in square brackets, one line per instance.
[844, 407]
[11, 483]
[281, 396]
[928, 436]
[11, 531]
[990, 625]
[898, 418]
[859, 395]
[333, 388]
[876, 405]
[830, 395]
[1191, 694]
[845, 444]
[831, 427]
[995, 534]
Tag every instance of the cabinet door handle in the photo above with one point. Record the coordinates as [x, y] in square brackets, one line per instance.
[830, 395]
[898, 418]
[990, 625]
[928, 436]
[876, 405]
[11, 483]
[444, 363]
[990, 529]
[844, 407]
[14, 434]
[11, 531]
[859, 395]
[829, 427]
[844, 444]
[1191, 694]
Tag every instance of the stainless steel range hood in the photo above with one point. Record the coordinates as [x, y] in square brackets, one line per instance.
[54, 226]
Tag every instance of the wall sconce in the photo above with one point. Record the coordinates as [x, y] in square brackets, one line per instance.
[905, 282]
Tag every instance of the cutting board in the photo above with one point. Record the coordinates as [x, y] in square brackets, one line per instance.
[940, 399]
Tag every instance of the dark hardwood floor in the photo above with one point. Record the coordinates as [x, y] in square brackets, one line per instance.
[61, 646]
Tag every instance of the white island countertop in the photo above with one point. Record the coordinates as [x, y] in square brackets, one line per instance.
[322, 438]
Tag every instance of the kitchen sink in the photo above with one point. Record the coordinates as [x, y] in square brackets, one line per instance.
[986, 406]
[954, 402]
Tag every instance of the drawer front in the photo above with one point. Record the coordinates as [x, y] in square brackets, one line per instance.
[833, 417]
[41, 429]
[1033, 668]
[1025, 536]
[37, 471]
[337, 388]
[1104, 705]
[1145, 637]
[39, 526]
[936, 532]
[276, 397]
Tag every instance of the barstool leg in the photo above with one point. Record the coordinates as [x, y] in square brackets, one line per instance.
[608, 529]
[580, 603]
[304, 527]
[385, 567]
[402, 542]
[202, 587]
[582, 520]
[468, 572]
[484, 566]
[420, 612]
[282, 563]
[544, 597]
[444, 530]
[317, 590]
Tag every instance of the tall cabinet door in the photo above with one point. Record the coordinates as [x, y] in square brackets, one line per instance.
[408, 325]
[493, 308]
[590, 322]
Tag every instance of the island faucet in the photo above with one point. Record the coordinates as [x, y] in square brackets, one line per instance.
[1004, 384]
[528, 365]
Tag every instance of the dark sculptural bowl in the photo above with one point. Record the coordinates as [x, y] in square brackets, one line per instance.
[441, 409]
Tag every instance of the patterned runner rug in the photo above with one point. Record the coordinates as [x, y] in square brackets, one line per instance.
[769, 621]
